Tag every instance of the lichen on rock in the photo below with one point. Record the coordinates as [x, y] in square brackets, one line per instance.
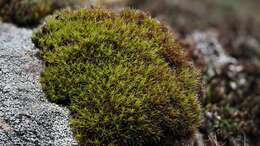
[26, 117]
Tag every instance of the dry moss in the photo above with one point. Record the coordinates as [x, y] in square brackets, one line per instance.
[122, 75]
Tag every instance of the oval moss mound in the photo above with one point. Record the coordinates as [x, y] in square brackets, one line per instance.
[122, 75]
[30, 12]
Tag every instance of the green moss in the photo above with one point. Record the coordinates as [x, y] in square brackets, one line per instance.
[30, 12]
[122, 75]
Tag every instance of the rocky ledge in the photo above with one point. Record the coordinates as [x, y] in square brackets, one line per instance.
[26, 117]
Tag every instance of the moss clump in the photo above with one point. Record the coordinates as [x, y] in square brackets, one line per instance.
[122, 75]
[30, 12]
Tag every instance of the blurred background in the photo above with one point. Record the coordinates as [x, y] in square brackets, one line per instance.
[222, 39]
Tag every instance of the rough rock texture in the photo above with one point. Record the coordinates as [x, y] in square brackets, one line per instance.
[26, 117]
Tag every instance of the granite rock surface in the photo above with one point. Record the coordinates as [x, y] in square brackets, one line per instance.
[26, 117]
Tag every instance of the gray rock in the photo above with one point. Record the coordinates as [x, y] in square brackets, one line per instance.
[26, 117]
